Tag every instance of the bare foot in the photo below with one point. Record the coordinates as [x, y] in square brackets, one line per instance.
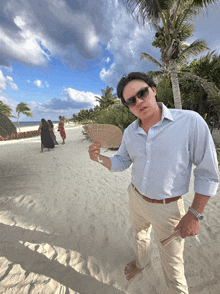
[131, 270]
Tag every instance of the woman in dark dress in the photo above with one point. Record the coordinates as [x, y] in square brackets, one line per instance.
[46, 140]
[52, 132]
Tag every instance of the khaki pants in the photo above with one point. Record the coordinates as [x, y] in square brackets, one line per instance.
[163, 218]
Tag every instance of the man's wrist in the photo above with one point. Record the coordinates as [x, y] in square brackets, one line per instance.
[197, 215]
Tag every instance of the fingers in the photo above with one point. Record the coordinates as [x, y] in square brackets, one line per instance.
[185, 232]
[94, 151]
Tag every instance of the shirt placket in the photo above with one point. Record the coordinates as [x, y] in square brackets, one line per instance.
[145, 183]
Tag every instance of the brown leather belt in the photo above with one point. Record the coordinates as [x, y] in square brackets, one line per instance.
[167, 200]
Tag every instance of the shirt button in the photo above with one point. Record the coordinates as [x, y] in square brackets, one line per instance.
[148, 161]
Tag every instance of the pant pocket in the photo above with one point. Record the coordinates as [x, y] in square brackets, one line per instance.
[180, 204]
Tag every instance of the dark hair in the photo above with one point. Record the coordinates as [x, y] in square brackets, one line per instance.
[50, 123]
[60, 117]
[130, 77]
[44, 124]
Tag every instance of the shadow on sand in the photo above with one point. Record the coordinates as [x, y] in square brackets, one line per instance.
[32, 261]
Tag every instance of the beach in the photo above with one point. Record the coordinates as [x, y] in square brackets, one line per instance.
[65, 227]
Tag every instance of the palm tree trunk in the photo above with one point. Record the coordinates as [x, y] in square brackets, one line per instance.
[175, 83]
[18, 122]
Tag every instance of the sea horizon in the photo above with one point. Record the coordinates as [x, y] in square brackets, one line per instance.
[30, 123]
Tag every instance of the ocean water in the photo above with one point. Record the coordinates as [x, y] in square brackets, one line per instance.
[29, 123]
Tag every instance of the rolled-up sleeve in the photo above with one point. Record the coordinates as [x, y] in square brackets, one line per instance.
[204, 156]
[121, 160]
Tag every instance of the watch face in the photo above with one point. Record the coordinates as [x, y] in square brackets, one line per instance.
[201, 217]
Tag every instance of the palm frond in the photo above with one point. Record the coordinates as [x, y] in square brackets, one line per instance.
[147, 10]
[208, 87]
[148, 57]
[195, 48]
[186, 31]
[187, 12]
[27, 113]
[156, 74]
[203, 3]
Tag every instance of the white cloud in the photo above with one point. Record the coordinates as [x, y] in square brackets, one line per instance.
[71, 102]
[107, 59]
[26, 50]
[37, 83]
[127, 40]
[10, 83]
[2, 81]
[28, 81]
[47, 85]
[6, 81]
[30, 28]
[79, 97]
[33, 31]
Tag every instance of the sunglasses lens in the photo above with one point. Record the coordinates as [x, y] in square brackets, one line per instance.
[140, 94]
[131, 101]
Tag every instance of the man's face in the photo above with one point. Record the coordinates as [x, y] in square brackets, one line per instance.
[144, 108]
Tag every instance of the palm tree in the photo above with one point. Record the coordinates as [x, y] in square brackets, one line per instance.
[107, 98]
[172, 21]
[208, 69]
[22, 108]
[184, 72]
[6, 110]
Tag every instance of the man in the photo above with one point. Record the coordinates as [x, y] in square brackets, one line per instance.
[162, 144]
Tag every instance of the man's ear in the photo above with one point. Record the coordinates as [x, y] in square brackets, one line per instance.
[154, 90]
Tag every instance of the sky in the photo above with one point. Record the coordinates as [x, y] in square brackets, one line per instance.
[57, 55]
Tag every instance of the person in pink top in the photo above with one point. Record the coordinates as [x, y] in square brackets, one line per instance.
[61, 129]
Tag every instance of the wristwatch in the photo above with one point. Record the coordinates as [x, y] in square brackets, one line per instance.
[199, 216]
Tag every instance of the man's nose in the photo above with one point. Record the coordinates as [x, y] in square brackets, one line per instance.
[139, 100]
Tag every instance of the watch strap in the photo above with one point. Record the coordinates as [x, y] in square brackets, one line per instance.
[198, 215]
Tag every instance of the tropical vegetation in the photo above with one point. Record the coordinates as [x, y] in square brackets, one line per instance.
[109, 111]
[24, 109]
[6, 110]
[173, 23]
[199, 85]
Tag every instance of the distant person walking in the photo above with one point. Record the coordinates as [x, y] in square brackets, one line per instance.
[61, 129]
[51, 129]
[46, 140]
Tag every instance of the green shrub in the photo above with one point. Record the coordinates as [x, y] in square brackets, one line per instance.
[117, 115]
[218, 156]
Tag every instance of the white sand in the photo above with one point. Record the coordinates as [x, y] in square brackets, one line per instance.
[65, 228]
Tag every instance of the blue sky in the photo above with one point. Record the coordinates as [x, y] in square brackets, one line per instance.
[57, 55]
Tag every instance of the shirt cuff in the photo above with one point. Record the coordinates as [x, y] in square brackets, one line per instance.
[115, 165]
[205, 187]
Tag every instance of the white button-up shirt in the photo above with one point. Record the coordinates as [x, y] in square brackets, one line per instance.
[162, 159]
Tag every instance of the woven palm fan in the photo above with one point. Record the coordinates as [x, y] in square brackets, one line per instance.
[109, 136]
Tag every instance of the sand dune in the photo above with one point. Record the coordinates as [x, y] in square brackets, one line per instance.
[65, 227]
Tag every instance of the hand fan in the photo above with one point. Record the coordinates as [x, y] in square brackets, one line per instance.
[109, 136]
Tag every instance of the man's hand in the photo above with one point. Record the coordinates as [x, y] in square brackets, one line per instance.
[188, 225]
[94, 151]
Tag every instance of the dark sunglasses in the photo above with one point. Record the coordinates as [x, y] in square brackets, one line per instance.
[141, 94]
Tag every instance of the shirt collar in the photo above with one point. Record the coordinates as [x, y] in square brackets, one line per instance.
[166, 114]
